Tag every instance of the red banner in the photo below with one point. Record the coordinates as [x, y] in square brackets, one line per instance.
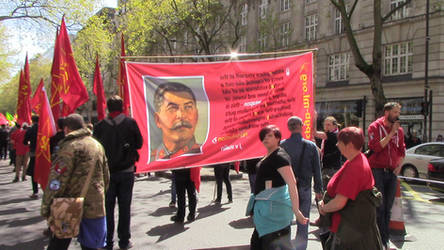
[196, 114]
[99, 92]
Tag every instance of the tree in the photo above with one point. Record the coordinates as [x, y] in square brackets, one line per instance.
[372, 70]
[4, 54]
[168, 25]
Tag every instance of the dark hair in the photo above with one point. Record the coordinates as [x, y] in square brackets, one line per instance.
[115, 103]
[169, 87]
[352, 135]
[34, 119]
[270, 128]
[74, 122]
[294, 122]
[60, 122]
[390, 105]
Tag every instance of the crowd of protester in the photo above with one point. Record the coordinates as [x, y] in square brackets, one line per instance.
[354, 192]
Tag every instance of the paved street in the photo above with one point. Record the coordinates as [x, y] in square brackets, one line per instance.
[216, 227]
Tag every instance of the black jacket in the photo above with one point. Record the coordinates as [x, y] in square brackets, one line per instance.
[121, 139]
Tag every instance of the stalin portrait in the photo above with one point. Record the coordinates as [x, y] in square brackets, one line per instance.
[176, 115]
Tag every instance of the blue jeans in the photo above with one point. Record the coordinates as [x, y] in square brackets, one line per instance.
[252, 180]
[304, 206]
[120, 188]
[385, 182]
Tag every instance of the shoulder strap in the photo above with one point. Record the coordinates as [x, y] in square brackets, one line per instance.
[88, 180]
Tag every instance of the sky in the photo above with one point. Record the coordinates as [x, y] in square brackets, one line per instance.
[22, 42]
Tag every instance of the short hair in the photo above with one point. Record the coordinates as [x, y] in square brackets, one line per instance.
[294, 122]
[114, 103]
[352, 135]
[169, 87]
[74, 122]
[270, 128]
[332, 119]
[35, 119]
[60, 122]
[390, 105]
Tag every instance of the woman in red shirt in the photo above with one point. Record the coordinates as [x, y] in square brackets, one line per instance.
[351, 179]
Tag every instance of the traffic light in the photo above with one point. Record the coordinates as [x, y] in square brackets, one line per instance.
[424, 108]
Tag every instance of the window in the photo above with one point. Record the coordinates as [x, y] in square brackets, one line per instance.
[285, 35]
[244, 13]
[398, 58]
[431, 149]
[339, 26]
[401, 13]
[310, 1]
[185, 39]
[311, 23]
[338, 67]
[285, 5]
[262, 41]
[263, 9]
[243, 44]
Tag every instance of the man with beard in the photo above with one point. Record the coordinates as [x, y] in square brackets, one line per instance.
[386, 140]
[176, 116]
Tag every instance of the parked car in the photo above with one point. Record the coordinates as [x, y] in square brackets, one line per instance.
[418, 157]
[436, 173]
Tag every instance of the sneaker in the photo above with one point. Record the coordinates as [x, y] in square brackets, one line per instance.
[16, 179]
[172, 204]
[130, 245]
[230, 200]
[191, 217]
[34, 196]
[176, 219]
[24, 178]
[217, 202]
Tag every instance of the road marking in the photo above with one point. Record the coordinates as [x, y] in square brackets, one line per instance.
[413, 192]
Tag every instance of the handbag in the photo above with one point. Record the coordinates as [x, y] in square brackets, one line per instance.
[66, 213]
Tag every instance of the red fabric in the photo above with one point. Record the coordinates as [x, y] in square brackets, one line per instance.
[237, 166]
[195, 177]
[391, 155]
[353, 177]
[18, 136]
[235, 100]
[24, 95]
[35, 101]
[114, 114]
[73, 91]
[99, 92]
[56, 81]
[122, 81]
[3, 119]
[46, 129]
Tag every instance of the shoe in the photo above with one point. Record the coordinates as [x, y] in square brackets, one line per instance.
[46, 232]
[34, 196]
[191, 217]
[130, 245]
[176, 219]
[230, 200]
[172, 204]
[16, 179]
[217, 202]
[24, 178]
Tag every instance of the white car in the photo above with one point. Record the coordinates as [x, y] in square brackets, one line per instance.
[418, 157]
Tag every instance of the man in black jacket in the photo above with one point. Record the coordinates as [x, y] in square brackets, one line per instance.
[31, 140]
[121, 138]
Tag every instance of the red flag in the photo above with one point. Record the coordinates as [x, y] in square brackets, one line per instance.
[24, 95]
[56, 82]
[3, 119]
[46, 129]
[195, 177]
[99, 91]
[72, 90]
[35, 101]
[237, 166]
[121, 79]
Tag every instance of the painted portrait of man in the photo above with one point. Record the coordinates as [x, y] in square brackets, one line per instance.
[175, 116]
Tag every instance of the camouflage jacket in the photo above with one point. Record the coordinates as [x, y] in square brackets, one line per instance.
[69, 171]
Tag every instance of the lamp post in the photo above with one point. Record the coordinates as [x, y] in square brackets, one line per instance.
[426, 76]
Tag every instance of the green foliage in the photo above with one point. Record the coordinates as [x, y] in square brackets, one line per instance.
[4, 54]
[39, 67]
[95, 38]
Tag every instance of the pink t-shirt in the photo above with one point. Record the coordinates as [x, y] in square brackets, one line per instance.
[352, 178]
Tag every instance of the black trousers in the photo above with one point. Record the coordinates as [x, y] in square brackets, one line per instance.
[188, 186]
[222, 174]
[30, 171]
[120, 188]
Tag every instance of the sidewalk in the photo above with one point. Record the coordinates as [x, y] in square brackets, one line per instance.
[222, 226]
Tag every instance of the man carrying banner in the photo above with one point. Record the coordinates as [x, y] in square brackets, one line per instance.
[305, 163]
[31, 140]
[176, 116]
[121, 138]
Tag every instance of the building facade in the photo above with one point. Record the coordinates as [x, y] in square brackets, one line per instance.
[342, 90]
